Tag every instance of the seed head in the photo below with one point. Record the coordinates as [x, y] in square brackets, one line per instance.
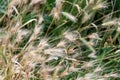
[110, 23]
[62, 43]
[43, 44]
[100, 5]
[118, 29]
[92, 55]
[70, 16]
[21, 34]
[34, 2]
[71, 36]
[58, 52]
[88, 64]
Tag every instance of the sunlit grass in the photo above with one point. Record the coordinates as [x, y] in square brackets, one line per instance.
[59, 40]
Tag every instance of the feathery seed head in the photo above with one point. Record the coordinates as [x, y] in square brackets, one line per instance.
[57, 9]
[71, 36]
[43, 44]
[109, 23]
[90, 76]
[56, 13]
[93, 36]
[37, 29]
[69, 16]
[114, 75]
[118, 29]
[98, 69]
[88, 65]
[62, 43]
[21, 34]
[40, 20]
[100, 5]
[34, 2]
[92, 55]
[86, 17]
[58, 52]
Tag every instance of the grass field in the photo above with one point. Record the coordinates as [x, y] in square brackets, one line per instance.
[59, 39]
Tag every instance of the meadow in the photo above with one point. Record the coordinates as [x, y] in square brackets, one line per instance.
[59, 39]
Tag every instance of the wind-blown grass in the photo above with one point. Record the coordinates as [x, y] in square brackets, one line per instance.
[59, 40]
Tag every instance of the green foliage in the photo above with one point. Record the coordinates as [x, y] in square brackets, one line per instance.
[60, 39]
[3, 5]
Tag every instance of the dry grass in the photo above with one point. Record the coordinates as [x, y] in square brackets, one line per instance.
[59, 40]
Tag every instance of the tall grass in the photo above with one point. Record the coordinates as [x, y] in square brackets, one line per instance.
[59, 40]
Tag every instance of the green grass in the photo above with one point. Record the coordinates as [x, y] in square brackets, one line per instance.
[59, 40]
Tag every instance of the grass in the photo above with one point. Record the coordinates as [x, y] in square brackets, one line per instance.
[59, 40]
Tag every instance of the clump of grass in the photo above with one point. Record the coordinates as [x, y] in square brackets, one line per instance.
[59, 40]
